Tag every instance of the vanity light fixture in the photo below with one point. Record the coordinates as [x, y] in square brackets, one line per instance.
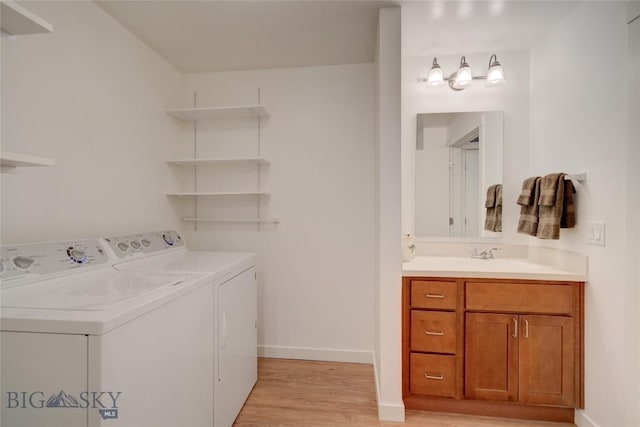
[462, 78]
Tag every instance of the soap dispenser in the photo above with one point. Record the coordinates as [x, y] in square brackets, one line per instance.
[408, 246]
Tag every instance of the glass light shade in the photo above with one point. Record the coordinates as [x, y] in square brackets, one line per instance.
[463, 76]
[495, 75]
[436, 77]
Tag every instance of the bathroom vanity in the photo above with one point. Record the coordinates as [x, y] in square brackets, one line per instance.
[492, 337]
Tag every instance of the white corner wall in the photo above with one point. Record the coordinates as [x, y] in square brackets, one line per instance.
[512, 98]
[579, 124]
[316, 267]
[388, 352]
[91, 96]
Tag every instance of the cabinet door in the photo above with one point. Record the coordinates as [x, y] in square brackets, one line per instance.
[547, 360]
[491, 356]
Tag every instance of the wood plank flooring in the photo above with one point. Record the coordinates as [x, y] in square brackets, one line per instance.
[328, 394]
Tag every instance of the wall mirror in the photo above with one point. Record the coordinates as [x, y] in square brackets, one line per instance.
[458, 156]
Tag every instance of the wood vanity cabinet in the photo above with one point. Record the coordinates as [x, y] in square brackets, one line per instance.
[493, 347]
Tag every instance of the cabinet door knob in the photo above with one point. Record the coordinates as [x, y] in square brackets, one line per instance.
[438, 333]
[434, 377]
[515, 327]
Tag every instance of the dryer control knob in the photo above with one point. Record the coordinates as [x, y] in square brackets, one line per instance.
[145, 242]
[135, 245]
[123, 246]
[168, 239]
[77, 255]
[23, 262]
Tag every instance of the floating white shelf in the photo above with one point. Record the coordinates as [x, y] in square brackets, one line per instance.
[219, 194]
[18, 21]
[9, 161]
[237, 220]
[210, 113]
[194, 162]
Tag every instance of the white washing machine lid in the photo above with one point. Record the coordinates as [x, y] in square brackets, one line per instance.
[96, 290]
[216, 263]
[91, 303]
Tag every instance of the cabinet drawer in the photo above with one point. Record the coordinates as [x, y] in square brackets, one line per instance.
[433, 375]
[515, 297]
[434, 294]
[433, 331]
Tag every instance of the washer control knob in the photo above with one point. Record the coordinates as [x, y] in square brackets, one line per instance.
[2, 267]
[123, 246]
[135, 245]
[76, 255]
[168, 239]
[145, 242]
[23, 262]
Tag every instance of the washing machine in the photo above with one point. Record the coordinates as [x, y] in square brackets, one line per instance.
[233, 275]
[84, 344]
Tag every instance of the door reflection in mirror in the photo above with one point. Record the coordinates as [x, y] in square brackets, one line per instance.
[458, 156]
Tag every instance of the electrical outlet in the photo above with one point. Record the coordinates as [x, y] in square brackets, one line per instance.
[595, 233]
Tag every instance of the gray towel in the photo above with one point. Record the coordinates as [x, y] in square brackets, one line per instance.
[493, 222]
[551, 206]
[528, 223]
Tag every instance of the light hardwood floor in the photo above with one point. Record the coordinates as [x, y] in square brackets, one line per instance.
[314, 394]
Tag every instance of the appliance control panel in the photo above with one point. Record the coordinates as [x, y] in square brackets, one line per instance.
[44, 259]
[132, 245]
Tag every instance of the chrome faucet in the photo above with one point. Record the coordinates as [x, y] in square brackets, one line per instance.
[486, 254]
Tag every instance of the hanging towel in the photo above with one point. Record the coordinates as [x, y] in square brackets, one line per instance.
[551, 204]
[528, 201]
[568, 219]
[498, 208]
[527, 195]
[491, 196]
[493, 221]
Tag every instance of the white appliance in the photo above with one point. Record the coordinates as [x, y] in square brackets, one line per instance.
[83, 344]
[235, 294]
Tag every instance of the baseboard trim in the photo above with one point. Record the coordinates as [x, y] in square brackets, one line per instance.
[391, 412]
[323, 354]
[582, 420]
[386, 412]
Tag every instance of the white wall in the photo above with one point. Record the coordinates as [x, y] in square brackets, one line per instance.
[316, 268]
[91, 96]
[388, 353]
[512, 98]
[579, 124]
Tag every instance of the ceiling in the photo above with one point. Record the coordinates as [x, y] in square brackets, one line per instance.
[210, 35]
[214, 35]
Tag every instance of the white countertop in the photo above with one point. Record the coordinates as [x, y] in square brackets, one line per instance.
[497, 268]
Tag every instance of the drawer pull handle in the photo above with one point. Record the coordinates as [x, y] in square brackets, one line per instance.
[434, 296]
[438, 333]
[434, 377]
